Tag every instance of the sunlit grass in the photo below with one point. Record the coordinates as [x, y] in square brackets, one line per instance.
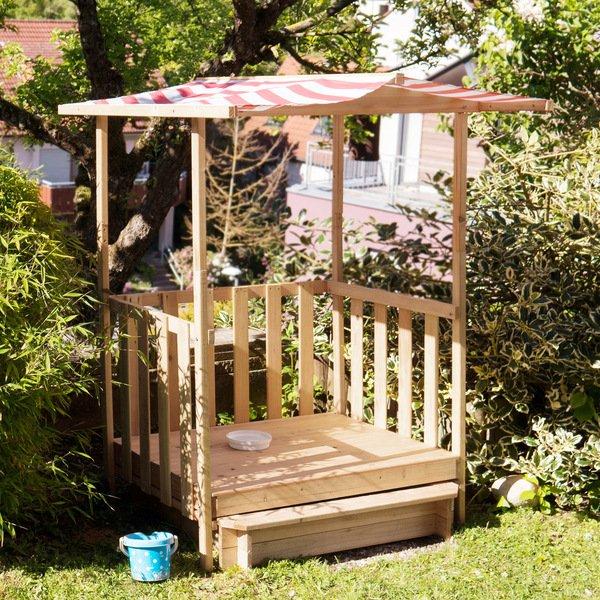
[516, 555]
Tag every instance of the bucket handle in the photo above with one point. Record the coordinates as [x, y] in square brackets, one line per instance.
[123, 548]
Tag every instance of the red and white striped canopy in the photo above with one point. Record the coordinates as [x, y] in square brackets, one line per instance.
[356, 93]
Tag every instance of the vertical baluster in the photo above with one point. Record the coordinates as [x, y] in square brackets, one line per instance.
[185, 419]
[132, 369]
[404, 373]
[380, 360]
[171, 307]
[273, 310]
[164, 428]
[356, 359]
[431, 380]
[211, 392]
[124, 398]
[144, 404]
[306, 350]
[339, 360]
[241, 356]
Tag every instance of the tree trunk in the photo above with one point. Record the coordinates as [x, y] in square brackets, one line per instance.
[367, 148]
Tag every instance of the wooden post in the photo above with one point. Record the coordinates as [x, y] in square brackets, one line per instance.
[201, 340]
[104, 292]
[337, 262]
[459, 299]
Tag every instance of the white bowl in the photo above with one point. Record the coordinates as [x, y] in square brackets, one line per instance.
[249, 439]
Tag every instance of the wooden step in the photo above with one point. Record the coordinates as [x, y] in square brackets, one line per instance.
[335, 525]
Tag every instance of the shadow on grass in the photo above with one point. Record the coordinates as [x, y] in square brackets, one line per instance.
[93, 544]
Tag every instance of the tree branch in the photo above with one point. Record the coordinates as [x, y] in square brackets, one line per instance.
[57, 135]
[306, 24]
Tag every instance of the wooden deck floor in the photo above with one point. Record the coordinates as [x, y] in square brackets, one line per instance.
[311, 458]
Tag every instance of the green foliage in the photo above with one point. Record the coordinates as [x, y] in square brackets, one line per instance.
[41, 9]
[534, 307]
[45, 357]
[567, 465]
[546, 50]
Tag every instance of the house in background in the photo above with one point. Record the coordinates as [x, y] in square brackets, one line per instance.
[411, 148]
[54, 167]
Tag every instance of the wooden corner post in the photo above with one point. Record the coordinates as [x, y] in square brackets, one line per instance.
[459, 300]
[337, 262]
[104, 292]
[201, 341]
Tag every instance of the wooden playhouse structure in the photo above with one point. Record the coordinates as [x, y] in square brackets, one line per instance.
[329, 481]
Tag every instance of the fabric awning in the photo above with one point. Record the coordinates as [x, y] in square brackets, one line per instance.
[355, 93]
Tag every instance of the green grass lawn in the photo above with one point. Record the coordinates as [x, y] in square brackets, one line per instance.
[521, 554]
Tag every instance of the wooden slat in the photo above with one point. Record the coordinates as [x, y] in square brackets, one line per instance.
[405, 370]
[212, 390]
[273, 351]
[171, 307]
[356, 359]
[132, 370]
[412, 303]
[221, 293]
[163, 412]
[459, 300]
[306, 350]
[340, 533]
[241, 357]
[380, 366]
[431, 380]
[202, 380]
[123, 388]
[286, 288]
[104, 292]
[337, 262]
[185, 422]
[343, 506]
[144, 404]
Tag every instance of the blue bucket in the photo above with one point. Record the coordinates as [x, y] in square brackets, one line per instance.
[149, 555]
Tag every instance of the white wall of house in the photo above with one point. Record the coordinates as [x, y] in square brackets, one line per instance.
[54, 167]
[50, 163]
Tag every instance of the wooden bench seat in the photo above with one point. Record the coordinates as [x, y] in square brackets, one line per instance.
[334, 525]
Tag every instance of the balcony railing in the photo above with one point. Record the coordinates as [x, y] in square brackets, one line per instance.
[391, 176]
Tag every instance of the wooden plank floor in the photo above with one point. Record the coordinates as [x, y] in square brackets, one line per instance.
[311, 458]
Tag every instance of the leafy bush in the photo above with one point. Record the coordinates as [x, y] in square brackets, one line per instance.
[534, 312]
[45, 358]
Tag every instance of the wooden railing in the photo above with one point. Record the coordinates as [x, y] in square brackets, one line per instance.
[383, 301]
[154, 375]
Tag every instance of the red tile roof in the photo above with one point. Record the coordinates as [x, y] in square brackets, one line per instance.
[34, 36]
